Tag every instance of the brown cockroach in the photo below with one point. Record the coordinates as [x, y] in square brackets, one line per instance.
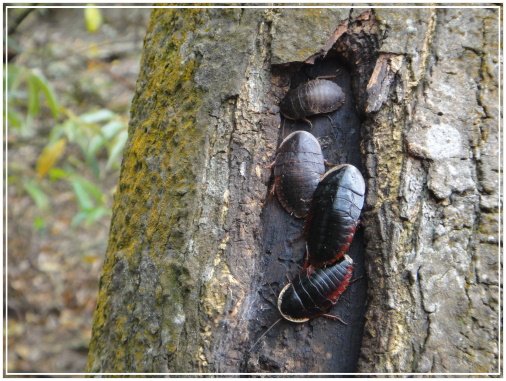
[317, 96]
[298, 167]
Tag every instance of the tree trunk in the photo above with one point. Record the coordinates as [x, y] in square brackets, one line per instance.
[199, 249]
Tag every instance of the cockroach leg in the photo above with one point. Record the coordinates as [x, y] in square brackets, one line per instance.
[356, 279]
[272, 192]
[327, 76]
[330, 119]
[328, 164]
[334, 317]
[263, 334]
[308, 121]
[283, 127]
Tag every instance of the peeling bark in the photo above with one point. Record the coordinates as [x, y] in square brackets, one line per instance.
[198, 250]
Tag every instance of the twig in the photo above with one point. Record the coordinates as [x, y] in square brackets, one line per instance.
[19, 20]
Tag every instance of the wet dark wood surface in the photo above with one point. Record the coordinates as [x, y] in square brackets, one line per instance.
[320, 345]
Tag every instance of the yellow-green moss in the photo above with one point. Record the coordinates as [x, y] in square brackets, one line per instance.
[388, 146]
[157, 185]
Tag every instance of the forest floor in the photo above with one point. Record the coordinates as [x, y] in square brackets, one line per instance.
[53, 272]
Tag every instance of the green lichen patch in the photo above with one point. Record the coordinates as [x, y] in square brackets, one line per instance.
[155, 195]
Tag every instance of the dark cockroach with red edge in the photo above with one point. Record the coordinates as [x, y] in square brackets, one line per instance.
[334, 215]
[312, 293]
[298, 167]
[318, 96]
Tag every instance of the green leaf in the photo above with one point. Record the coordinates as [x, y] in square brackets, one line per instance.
[90, 216]
[106, 134]
[44, 86]
[96, 214]
[78, 219]
[39, 223]
[92, 162]
[97, 116]
[57, 132]
[37, 194]
[83, 197]
[94, 190]
[57, 174]
[112, 128]
[92, 19]
[12, 74]
[96, 142]
[33, 97]
[16, 75]
[70, 130]
[14, 119]
[117, 149]
[73, 130]
[87, 193]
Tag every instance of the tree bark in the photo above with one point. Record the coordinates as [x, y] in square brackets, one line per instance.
[199, 249]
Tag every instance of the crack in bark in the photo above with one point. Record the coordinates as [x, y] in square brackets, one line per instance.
[243, 147]
[233, 120]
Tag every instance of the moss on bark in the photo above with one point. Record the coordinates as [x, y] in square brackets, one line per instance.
[154, 200]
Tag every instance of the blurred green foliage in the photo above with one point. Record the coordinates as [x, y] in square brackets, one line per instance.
[80, 150]
[24, 90]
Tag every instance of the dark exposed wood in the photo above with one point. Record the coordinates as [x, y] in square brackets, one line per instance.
[327, 344]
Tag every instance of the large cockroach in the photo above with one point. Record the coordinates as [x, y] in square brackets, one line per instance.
[334, 214]
[298, 167]
[318, 96]
[312, 293]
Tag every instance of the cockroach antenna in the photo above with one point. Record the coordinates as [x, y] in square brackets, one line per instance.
[263, 334]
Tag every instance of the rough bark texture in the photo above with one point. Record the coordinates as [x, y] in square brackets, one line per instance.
[198, 248]
[432, 229]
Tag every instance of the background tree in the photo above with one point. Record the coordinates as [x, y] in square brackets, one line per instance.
[198, 250]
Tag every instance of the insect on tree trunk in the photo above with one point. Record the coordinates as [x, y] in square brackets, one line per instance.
[199, 249]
